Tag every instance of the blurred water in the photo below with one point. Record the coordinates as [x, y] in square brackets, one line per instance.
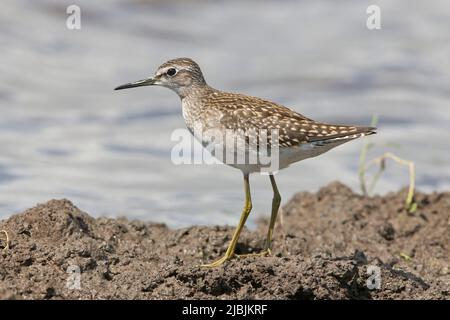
[65, 133]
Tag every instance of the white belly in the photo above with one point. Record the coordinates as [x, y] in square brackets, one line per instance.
[239, 155]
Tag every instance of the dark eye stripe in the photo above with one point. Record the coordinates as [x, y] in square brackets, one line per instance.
[171, 72]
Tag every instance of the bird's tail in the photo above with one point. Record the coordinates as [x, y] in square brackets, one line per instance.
[343, 134]
[367, 131]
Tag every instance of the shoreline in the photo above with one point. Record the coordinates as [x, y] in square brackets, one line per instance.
[332, 244]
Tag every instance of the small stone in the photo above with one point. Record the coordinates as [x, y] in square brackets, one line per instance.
[387, 231]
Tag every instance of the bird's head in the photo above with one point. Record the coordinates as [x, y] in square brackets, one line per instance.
[181, 75]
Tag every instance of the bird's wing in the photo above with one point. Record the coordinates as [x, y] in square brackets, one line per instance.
[251, 113]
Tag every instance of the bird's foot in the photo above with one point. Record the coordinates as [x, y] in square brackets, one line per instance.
[217, 263]
[226, 257]
[264, 253]
[6, 247]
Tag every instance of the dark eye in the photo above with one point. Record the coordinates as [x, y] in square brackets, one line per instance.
[171, 72]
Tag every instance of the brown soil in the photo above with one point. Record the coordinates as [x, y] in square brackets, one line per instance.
[324, 244]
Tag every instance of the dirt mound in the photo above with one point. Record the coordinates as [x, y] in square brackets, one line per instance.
[330, 245]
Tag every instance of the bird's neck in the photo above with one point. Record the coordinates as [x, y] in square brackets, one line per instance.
[193, 104]
[194, 91]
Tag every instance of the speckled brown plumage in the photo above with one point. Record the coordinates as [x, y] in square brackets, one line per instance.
[226, 110]
[240, 112]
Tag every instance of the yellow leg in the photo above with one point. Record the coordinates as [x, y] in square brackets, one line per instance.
[245, 212]
[273, 217]
[6, 240]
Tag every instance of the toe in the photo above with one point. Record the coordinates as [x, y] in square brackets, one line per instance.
[217, 262]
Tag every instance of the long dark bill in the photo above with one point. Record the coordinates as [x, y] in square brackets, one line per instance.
[139, 83]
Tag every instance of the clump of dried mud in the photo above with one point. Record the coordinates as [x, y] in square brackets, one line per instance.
[324, 245]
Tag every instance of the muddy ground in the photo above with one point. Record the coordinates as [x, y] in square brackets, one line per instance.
[324, 245]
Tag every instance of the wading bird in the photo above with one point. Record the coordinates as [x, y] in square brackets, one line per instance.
[297, 138]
